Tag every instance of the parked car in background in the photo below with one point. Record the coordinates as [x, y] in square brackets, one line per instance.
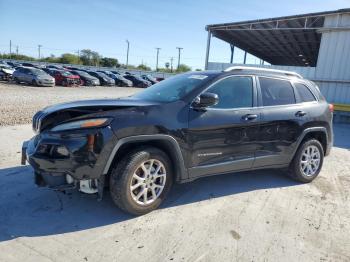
[104, 79]
[65, 78]
[34, 76]
[149, 78]
[6, 72]
[72, 68]
[13, 64]
[138, 81]
[28, 65]
[118, 79]
[85, 78]
[160, 79]
[55, 67]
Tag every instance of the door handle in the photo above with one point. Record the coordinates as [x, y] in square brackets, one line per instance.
[249, 117]
[300, 113]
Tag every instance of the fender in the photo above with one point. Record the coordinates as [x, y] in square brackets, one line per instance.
[181, 172]
[309, 130]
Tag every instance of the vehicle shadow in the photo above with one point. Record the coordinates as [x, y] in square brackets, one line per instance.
[26, 210]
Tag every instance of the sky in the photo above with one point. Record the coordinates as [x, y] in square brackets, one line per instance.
[104, 26]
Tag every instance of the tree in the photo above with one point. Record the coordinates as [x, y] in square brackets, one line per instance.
[69, 59]
[17, 57]
[183, 68]
[143, 67]
[109, 62]
[89, 57]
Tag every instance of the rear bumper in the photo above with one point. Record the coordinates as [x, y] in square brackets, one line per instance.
[81, 154]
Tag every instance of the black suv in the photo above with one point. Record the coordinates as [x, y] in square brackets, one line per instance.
[183, 128]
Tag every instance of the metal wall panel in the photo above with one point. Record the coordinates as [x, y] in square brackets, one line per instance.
[332, 73]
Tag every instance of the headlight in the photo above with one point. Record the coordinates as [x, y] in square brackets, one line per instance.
[95, 122]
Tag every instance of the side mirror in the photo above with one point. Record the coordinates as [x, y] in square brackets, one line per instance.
[205, 100]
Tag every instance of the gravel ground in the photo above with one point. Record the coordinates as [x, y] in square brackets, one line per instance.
[20, 102]
[256, 216]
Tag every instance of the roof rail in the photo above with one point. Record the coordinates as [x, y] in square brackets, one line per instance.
[287, 73]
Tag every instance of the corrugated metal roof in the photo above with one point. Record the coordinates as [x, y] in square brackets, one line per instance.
[288, 40]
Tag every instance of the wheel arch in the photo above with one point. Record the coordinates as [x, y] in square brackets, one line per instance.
[318, 133]
[166, 143]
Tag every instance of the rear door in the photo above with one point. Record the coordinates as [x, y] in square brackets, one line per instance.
[223, 138]
[281, 122]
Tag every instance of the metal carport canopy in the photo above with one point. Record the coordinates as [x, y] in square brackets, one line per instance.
[289, 40]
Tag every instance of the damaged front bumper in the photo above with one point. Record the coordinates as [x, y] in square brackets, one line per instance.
[63, 160]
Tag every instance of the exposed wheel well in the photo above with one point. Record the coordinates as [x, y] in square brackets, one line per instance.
[318, 135]
[164, 145]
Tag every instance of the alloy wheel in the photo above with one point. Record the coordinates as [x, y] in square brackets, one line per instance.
[310, 160]
[148, 182]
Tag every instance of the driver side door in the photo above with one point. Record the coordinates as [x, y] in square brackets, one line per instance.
[224, 137]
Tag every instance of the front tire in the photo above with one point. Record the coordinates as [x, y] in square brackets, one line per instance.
[141, 180]
[307, 162]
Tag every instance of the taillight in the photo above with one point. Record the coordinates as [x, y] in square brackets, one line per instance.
[331, 107]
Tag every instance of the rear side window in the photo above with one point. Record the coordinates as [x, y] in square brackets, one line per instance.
[276, 92]
[233, 92]
[304, 93]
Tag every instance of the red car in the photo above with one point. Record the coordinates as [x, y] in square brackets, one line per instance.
[66, 78]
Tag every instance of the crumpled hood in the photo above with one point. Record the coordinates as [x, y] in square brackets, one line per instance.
[53, 115]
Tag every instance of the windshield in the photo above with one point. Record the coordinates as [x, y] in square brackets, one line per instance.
[65, 73]
[37, 71]
[150, 77]
[101, 74]
[82, 73]
[173, 88]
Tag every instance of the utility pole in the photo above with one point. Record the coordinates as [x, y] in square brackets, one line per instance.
[78, 52]
[39, 47]
[232, 52]
[17, 50]
[127, 53]
[245, 57]
[10, 48]
[178, 61]
[157, 48]
[171, 64]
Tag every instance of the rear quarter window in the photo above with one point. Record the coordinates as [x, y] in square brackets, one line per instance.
[304, 93]
[276, 92]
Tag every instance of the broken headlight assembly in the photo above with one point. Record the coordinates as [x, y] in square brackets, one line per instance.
[86, 123]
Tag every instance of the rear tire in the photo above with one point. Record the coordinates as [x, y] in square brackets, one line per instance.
[307, 162]
[141, 180]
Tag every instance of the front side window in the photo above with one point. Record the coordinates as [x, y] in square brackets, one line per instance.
[233, 92]
[304, 93]
[276, 92]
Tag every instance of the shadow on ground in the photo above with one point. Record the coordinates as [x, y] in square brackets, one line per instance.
[26, 210]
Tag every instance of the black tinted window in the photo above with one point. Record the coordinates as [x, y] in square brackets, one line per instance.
[276, 92]
[234, 92]
[304, 93]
